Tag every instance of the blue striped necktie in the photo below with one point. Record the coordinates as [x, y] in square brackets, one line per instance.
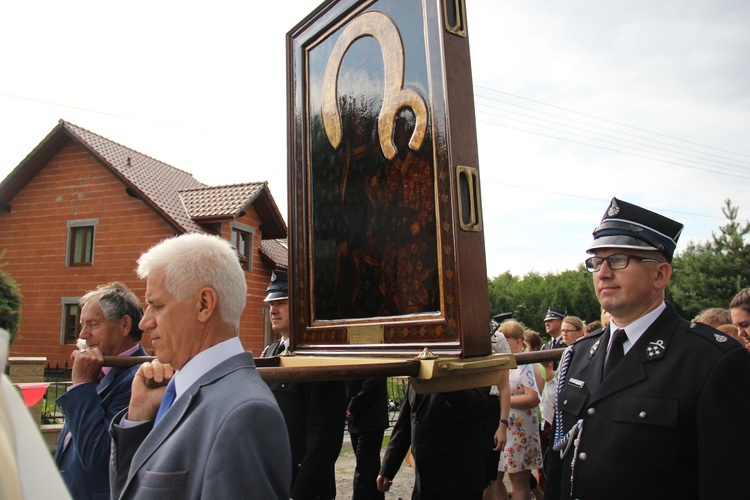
[166, 401]
[561, 376]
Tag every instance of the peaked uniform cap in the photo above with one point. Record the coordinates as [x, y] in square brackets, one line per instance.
[553, 313]
[499, 318]
[629, 226]
[278, 289]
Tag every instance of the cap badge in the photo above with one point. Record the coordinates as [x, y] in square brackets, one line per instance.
[720, 338]
[613, 209]
[656, 350]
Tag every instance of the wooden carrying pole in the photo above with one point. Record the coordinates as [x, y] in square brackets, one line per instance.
[273, 370]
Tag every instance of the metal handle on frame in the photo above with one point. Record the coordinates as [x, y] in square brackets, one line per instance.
[469, 204]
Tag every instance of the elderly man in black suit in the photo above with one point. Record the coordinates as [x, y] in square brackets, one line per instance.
[652, 406]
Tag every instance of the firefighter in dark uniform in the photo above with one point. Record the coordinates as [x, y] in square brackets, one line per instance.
[314, 412]
[552, 324]
[659, 408]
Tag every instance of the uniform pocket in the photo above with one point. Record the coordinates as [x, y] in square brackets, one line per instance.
[644, 430]
[646, 411]
[174, 481]
[572, 398]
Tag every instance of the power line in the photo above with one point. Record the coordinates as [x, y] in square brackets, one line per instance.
[606, 135]
[117, 115]
[491, 123]
[613, 150]
[598, 200]
[611, 121]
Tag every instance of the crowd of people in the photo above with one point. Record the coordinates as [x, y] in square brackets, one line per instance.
[532, 402]
[638, 405]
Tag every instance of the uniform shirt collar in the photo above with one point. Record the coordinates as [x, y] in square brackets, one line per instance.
[204, 361]
[635, 329]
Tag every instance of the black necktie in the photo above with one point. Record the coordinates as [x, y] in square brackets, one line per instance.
[616, 352]
[281, 348]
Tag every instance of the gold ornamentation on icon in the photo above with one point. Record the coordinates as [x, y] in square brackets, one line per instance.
[380, 27]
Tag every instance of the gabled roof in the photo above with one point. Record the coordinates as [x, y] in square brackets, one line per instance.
[220, 201]
[157, 184]
[276, 252]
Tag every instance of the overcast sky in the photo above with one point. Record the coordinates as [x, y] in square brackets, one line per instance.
[576, 102]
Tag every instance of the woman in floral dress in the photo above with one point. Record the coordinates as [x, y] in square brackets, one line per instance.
[523, 452]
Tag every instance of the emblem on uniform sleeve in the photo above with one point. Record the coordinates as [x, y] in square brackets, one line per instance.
[720, 338]
[594, 348]
[656, 349]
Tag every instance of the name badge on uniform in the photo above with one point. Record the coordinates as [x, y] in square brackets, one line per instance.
[576, 382]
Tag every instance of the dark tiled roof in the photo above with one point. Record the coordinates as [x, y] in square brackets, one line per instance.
[276, 251]
[181, 200]
[156, 181]
[220, 201]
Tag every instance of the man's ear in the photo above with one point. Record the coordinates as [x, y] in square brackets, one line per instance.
[207, 304]
[663, 275]
[127, 325]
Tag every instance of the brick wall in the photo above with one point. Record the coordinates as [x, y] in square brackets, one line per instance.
[75, 186]
[253, 319]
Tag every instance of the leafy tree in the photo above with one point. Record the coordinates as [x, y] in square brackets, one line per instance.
[705, 275]
[576, 294]
[10, 303]
[709, 274]
[501, 289]
[530, 296]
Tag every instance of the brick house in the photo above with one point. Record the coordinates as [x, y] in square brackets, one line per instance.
[80, 209]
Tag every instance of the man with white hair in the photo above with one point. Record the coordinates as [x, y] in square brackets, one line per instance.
[212, 432]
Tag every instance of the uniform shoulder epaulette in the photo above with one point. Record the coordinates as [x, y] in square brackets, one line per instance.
[589, 341]
[594, 333]
[712, 335]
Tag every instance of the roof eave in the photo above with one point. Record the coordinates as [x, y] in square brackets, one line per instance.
[33, 163]
[271, 222]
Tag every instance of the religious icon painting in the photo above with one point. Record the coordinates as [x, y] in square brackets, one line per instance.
[386, 242]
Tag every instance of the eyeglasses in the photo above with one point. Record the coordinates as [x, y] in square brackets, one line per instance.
[569, 331]
[615, 262]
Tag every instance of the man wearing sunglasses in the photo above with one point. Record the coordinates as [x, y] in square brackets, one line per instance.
[647, 407]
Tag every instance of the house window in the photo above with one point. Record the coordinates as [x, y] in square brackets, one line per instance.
[81, 242]
[242, 241]
[71, 321]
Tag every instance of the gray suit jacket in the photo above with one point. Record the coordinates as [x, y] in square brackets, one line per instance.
[219, 440]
